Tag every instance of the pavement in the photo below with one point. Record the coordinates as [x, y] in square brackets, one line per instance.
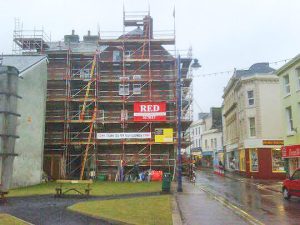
[216, 200]
[272, 185]
[199, 208]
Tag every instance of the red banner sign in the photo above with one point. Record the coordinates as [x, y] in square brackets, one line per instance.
[149, 111]
[290, 151]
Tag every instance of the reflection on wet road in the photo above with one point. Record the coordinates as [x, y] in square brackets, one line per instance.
[265, 205]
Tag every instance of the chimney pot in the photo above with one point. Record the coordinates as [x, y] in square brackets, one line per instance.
[73, 32]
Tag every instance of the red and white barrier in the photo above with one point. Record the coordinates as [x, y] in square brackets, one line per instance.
[219, 170]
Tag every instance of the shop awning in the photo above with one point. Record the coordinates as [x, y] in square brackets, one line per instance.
[207, 153]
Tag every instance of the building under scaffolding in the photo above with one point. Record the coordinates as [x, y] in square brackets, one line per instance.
[95, 86]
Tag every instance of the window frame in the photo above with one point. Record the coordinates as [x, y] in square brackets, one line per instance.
[250, 98]
[242, 160]
[124, 86]
[286, 85]
[116, 56]
[289, 117]
[250, 159]
[298, 77]
[273, 170]
[137, 90]
[251, 128]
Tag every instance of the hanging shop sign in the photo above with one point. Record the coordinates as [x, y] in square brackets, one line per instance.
[163, 135]
[290, 151]
[273, 142]
[149, 111]
[142, 135]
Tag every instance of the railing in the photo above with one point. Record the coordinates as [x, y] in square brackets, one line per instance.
[81, 137]
[103, 116]
[131, 159]
[113, 75]
[108, 95]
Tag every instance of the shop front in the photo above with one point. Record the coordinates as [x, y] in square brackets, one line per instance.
[259, 159]
[292, 155]
[207, 159]
[262, 163]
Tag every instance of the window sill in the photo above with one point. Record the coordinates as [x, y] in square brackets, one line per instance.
[287, 95]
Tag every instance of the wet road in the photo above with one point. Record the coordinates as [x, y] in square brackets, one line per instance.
[260, 203]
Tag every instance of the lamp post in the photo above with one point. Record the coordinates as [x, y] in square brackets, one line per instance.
[195, 65]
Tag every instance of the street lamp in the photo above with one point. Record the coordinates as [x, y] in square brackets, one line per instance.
[195, 65]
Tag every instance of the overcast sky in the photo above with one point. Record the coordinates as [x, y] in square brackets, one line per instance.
[224, 34]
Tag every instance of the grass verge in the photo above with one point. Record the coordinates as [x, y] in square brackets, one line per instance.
[98, 188]
[154, 210]
[6, 219]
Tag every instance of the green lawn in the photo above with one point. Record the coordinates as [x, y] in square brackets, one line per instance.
[6, 219]
[98, 188]
[142, 211]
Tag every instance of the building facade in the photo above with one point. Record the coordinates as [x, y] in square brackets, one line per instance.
[289, 77]
[211, 137]
[112, 101]
[194, 132]
[252, 123]
[30, 129]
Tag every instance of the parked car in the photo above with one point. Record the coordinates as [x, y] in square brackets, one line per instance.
[291, 186]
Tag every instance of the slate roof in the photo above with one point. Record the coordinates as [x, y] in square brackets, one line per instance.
[136, 33]
[257, 68]
[21, 62]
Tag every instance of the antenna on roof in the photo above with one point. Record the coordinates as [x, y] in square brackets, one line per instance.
[148, 8]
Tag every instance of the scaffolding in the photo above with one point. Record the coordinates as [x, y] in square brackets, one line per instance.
[29, 41]
[109, 73]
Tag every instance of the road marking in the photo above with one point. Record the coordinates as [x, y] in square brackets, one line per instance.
[235, 209]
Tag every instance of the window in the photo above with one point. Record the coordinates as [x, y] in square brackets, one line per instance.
[286, 82]
[137, 77]
[212, 143]
[215, 143]
[100, 115]
[298, 77]
[137, 89]
[236, 159]
[252, 127]
[128, 53]
[277, 161]
[289, 119]
[253, 160]
[85, 74]
[123, 89]
[116, 56]
[206, 145]
[296, 175]
[250, 95]
[242, 160]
